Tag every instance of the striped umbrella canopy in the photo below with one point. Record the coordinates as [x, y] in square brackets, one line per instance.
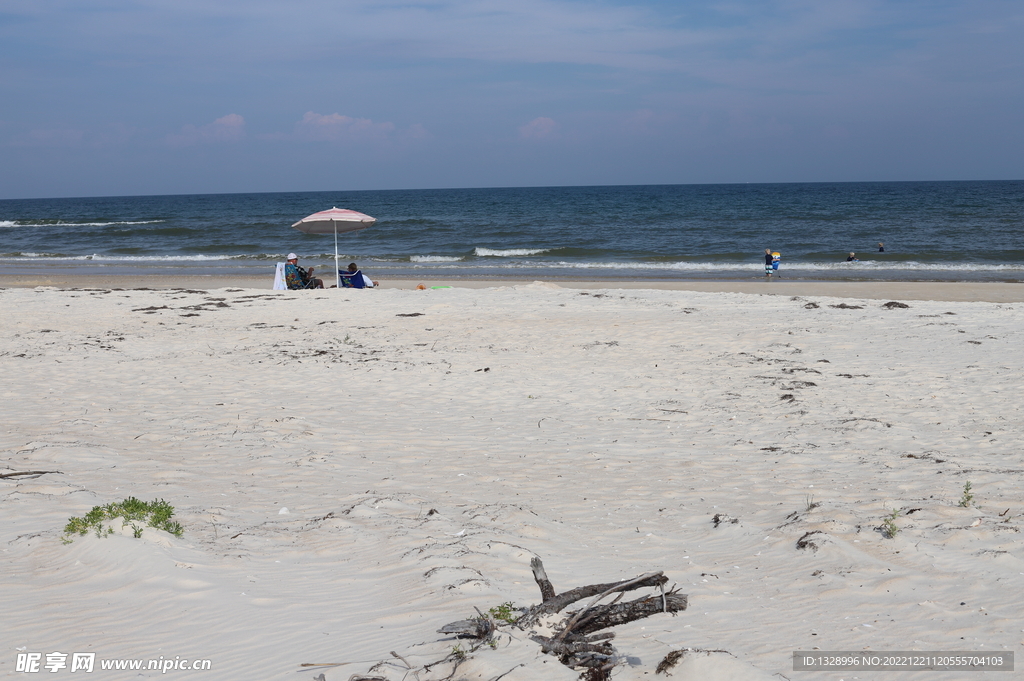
[336, 221]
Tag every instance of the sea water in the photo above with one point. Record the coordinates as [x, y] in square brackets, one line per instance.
[942, 231]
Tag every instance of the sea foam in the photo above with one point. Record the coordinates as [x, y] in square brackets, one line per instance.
[435, 258]
[508, 253]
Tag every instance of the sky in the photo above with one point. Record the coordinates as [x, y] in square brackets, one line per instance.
[129, 97]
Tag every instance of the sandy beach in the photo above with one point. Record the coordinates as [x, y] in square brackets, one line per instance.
[993, 292]
[354, 469]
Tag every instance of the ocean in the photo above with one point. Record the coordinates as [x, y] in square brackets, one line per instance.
[932, 231]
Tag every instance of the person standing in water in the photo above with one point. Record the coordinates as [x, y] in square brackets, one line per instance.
[768, 269]
[881, 247]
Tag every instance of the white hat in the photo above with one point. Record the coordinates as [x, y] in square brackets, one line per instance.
[292, 256]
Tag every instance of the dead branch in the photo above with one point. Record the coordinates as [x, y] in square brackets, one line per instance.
[561, 601]
[572, 643]
[404, 661]
[574, 640]
[673, 658]
[547, 590]
[622, 613]
[576, 621]
[564, 649]
[324, 664]
[478, 627]
[498, 678]
[621, 587]
[32, 473]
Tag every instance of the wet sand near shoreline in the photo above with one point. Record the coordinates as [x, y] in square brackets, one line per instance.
[993, 292]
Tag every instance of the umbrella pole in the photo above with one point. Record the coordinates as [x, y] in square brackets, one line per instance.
[337, 271]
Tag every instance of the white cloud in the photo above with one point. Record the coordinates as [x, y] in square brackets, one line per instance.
[334, 127]
[230, 128]
[538, 128]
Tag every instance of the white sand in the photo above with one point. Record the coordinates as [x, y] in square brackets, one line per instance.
[423, 460]
[989, 291]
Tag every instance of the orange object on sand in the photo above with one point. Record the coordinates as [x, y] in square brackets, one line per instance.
[421, 287]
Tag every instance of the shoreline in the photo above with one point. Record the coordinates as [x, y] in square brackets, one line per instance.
[993, 292]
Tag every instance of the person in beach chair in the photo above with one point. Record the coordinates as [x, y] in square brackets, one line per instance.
[296, 277]
[354, 278]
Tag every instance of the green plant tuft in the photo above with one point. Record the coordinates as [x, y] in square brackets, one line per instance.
[966, 499]
[77, 526]
[95, 516]
[131, 511]
[506, 612]
[889, 524]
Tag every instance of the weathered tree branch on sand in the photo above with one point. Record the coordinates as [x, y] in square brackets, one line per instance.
[571, 640]
[564, 649]
[622, 613]
[478, 627]
[547, 591]
[556, 603]
[575, 638]
[31, 473]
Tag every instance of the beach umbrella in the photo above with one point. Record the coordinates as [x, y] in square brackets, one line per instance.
[336, 221]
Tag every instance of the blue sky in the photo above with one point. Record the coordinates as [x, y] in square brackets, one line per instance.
[122, 97]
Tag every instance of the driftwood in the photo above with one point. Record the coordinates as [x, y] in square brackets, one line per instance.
[552, 603]
[26, 473]
[547, 591]
[20, 473]
[478, 627]
[574, 640]
[615, 614]
[575, 637]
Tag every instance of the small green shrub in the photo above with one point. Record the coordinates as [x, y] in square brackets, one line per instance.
[506, 612]
[131, 511]
[966, 499]
[889, 524]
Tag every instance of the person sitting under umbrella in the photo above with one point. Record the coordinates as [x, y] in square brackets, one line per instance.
[354, 278]
[296, 277]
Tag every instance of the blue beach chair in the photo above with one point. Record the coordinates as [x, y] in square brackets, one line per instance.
[354, 279]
